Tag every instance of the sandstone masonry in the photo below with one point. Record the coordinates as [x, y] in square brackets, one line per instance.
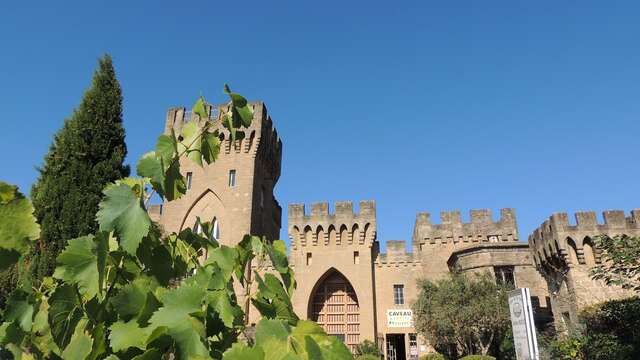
[351, 288]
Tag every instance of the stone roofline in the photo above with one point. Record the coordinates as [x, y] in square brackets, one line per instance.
[320, 210]
[452, 229]
[587, 221]
[549, 241]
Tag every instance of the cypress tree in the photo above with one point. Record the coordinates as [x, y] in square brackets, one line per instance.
[86, 154]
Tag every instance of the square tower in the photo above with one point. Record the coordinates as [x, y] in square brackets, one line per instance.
[235, 193]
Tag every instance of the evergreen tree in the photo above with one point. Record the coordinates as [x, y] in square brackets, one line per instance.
[86, 154]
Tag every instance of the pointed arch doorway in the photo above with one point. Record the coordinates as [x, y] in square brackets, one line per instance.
[334, 306]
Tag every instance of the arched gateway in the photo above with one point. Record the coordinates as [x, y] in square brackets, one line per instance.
[334, 306]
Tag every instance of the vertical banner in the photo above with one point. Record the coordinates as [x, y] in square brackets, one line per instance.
[524, 330]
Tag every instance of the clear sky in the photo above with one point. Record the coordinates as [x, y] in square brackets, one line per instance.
[419, 105]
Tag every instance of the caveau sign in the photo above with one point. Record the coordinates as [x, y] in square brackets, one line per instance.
[399, 318]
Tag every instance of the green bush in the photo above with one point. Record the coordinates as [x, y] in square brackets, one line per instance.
[591, 347]
[477, 357]
[367, 347]
[367, 357]
[433, 356]
[614, 321]
[606, 347]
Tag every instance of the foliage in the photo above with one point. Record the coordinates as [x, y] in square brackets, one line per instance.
[462, 314]
[86, 154]
[129, 292]
[615, 320]
[433, 356]
[367, 357]
[578, 346]
[367, 347]
[506, 347]
[477, 357]
[610, 330]
[619, 261]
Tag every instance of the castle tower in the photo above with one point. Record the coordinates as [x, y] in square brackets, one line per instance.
[435, 243]
[565, 254]
[235, 193]
[332, 254]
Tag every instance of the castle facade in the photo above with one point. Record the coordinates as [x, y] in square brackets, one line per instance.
[351, 288]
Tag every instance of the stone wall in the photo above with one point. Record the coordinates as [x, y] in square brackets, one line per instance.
[434, 243]
[343, 241]
[564, 254]
[246, 207]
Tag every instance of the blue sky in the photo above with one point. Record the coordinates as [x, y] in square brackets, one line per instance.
[419, 105]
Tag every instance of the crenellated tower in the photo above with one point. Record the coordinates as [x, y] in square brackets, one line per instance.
[342, 228]
[434, 243]
[564, 254]
[333, 256]
[236, 191]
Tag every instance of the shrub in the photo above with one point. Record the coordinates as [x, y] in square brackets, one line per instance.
[620, 319]
[606, 347]
[432, 356]
[367, 357]
[477, 357]
[367, 347]
[591, 347]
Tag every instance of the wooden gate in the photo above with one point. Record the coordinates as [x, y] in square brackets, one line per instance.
[334, 306]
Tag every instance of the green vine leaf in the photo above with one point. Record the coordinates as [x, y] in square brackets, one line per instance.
[78, 264]
[121, 211]
[210, 147]
[18, 227]
[80, 345]
[191, 142]
[64, 314]
[131, 298]
[242, 352]
[124, 335]
[19, 310]
[175, 314]
[200, 108]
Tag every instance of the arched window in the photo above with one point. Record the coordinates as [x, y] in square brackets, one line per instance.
[308, 236]
[367, 233]
[589, 254]
[332, 235]
[197, 228]
[319, 236]
[344, 235]
[216, 229]
[573, 251]
[355, 234]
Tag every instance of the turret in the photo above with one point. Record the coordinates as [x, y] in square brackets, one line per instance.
[344, 227]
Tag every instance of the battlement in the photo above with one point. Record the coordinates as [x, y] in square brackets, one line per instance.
[261, 126]
[343, 227]
[342, 209]
[396, 255]
[451, 229]
[557, 239]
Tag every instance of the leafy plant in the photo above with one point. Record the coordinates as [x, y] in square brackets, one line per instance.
[367, 347]
[130, 292]
[477, 357]
[432, 356]
[619, 261]
[462, 314]
[367, 357]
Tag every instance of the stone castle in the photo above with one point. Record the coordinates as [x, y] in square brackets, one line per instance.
[351, 288]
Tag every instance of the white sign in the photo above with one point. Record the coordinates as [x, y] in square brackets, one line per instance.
[524, 330]
[399, 318]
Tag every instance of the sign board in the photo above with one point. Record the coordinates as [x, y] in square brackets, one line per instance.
[399, 318]
[524, 330]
